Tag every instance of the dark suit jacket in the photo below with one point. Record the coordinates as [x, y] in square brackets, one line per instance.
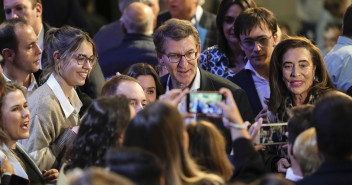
[207, 21]
[245, 81]
[135, 48]
[108, 37]
[211, 82]
[331, 172]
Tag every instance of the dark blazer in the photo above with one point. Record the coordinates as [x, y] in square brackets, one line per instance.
[108, 37]
[135, 48]
[330, 172]
[207, 21]
[245, 81]
[211, 82]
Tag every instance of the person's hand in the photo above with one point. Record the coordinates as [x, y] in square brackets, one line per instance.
[263, 114]
[174, 96]
[6, 166]
[51, 175]
[229, 108]
[282, 165]
[254, 129]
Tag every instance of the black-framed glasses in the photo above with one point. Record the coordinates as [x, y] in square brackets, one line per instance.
[82, 58]
[262, 41]
[176, 58]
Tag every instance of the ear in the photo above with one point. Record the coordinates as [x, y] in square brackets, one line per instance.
[160, 58]
[199, 52]
[39, 9]
[8, 54]
[275, 38]
[56, 56]
[290, 150]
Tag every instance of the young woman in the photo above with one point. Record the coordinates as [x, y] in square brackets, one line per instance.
[55, 105]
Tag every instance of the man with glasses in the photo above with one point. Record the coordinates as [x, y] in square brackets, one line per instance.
[256, 30]
[21, 53]
[177, 45]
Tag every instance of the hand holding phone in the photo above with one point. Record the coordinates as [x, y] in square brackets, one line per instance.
[204, 102]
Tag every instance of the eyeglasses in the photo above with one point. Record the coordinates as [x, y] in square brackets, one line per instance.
[175, 58]
[262, 41]
[82, 59]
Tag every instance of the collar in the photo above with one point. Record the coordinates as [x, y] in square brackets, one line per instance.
[291, 176]
[40, 41]
[195, 85]
[7, 79]
[65, 104]
[250, 67]
[33, 85]
[344, 40]
[198, 15]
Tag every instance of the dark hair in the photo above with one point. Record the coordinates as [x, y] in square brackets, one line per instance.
[278, 89]
[253, 17]
[65, 40]
[207, 147]
[142, 167]
[145, 69]
[223, 7]
[332, 120]
[347, 26]
[105, 121]
[300, 120]
[175, 29]
[8, 38]
[158, 128]
[111, 85]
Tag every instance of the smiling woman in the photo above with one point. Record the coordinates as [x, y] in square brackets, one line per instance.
[14, 126]
[297, 76]
[55, 105]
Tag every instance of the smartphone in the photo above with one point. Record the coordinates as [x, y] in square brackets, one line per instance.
[204, 102]
[272, 134]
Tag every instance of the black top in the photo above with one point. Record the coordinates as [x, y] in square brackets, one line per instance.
[34, 177]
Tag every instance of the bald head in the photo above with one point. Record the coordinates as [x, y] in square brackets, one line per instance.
[138, 18]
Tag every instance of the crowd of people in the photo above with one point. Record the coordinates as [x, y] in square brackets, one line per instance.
[113, 109]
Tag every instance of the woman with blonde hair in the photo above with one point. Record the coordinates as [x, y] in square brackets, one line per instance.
[207, 148]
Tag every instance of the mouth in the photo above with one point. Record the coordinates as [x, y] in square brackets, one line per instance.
[183, 71]
[83, 75]
[296, 83]
[25, 125]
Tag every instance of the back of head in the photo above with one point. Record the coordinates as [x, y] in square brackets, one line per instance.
[65, 40]
[306, 152]
[138, 18]
[347, 22]
[102, 127]
[253, 17]
[142, 167]
[174, 29]
[99, 176]
[300, 120]
[332, 119]
[124, 3]
[207, 148]
[110, 86]
[8, 37]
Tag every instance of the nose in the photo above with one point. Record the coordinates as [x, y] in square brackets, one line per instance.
[183, 61]
[25, 113]
[138, 107]
[87, 65]
[256, 46]
[14, 15]
[294, 71]
[39, 50]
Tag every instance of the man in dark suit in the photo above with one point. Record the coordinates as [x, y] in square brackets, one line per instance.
[177, 45]
[191, 10]
[332, 119]
[137, 45]
[256, 30]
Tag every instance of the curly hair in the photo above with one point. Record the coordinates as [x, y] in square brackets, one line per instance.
[104, 123]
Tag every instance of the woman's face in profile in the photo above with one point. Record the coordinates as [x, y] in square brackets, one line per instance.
[15, 116]
[298, 71]
[149, 87]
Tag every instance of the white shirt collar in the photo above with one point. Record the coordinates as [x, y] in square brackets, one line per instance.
[250, 67]
[198, 15]
[65, 104]
[291, 176]
[32, 86]
[40, 41]
[195, 85]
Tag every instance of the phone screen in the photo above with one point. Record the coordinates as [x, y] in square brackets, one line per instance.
[204, 102]
[272, 134]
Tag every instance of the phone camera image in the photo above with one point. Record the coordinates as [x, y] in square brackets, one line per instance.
[204, 102]
[272, 134]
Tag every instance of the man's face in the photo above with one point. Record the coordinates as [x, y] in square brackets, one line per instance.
[182, 9]
[28, 52]
[258, 46]
[182, 71]
[23, 9]
[134, 92]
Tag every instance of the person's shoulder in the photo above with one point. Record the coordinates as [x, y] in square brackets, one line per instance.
[218, 81]
[208, 15]
[107, 30]
[42, 98]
